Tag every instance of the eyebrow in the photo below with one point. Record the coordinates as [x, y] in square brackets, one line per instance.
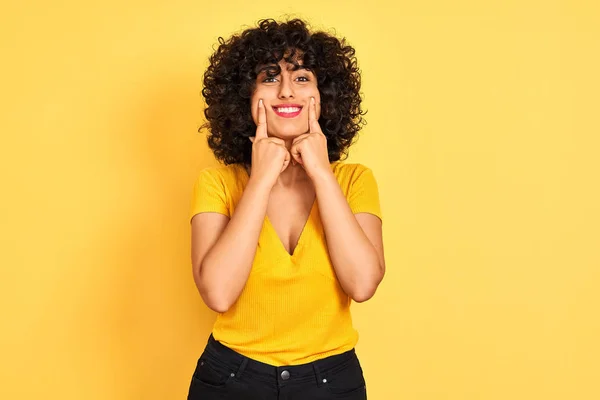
[299, 66]
[272, 67]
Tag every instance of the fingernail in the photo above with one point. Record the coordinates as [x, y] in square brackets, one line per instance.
[260, 102]
[313, 100]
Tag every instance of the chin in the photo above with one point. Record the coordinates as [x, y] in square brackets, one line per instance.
[289, 133]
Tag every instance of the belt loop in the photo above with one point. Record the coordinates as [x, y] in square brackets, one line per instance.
[318, 375]
[242, 367]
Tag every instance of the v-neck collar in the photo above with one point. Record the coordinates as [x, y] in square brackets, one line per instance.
[308, 225]
[303, 233]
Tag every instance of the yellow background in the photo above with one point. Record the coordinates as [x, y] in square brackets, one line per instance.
[483, 133]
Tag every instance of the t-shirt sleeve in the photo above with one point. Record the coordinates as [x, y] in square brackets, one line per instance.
[208, 194]
[364, 193]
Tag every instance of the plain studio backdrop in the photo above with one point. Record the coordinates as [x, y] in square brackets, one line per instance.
[483, 134]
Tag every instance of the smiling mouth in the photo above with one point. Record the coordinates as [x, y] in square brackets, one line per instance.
[287, 112]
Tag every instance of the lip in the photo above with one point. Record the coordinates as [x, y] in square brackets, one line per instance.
[287, 115]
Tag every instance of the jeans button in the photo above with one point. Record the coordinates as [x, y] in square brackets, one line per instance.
[285, 375]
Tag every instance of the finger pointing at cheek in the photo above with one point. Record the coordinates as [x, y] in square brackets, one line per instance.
[313, 123]
[261, 126]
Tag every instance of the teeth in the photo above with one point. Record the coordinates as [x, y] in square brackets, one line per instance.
[288, 109]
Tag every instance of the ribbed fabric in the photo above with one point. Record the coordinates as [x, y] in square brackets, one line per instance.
[292, 309]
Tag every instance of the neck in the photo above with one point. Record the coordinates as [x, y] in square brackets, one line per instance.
[293, 175]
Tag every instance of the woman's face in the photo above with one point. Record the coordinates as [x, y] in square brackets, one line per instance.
[286, 98]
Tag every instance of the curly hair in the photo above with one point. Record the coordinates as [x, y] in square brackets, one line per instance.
[230, 80]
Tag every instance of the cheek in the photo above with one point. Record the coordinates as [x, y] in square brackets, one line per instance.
[254, 108]
[318, 103]
[258, 94]
[315, 93]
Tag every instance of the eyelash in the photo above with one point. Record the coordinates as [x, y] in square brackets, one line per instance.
[303, 77]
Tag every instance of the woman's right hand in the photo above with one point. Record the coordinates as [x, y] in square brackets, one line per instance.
[270, 157]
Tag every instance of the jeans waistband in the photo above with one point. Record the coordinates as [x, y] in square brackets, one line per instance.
[273, 373]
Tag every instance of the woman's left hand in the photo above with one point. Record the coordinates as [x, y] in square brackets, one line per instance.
[310, 149]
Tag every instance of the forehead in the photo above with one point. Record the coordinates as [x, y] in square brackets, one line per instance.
[292, 60]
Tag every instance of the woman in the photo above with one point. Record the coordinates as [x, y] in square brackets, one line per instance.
[284, 235]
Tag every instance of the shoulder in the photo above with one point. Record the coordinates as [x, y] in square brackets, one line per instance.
[347, 173]
[225, 174]
[359, 185]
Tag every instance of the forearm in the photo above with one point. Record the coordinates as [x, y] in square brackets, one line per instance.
[226, 266]
[353, 256]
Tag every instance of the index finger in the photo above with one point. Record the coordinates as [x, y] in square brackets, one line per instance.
[313, 124]
[261, 127]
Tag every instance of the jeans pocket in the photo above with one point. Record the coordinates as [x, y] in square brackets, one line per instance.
[211, 373]
[346, 379]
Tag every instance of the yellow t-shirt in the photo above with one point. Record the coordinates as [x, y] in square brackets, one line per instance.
[292, 309]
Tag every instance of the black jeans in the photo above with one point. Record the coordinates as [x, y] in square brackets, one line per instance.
[222, 373]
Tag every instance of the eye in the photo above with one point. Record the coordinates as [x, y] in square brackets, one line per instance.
[303, 78]
[269, 80]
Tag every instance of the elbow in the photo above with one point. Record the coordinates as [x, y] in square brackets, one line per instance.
[363, 292]
[213, 297]
[366, 290]
[362, 296]
[215, 301]
[217, 306]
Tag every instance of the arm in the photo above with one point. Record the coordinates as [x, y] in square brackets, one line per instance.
[354, 241]
[223, 250]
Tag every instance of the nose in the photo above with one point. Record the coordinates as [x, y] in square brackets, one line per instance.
[286, 89]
